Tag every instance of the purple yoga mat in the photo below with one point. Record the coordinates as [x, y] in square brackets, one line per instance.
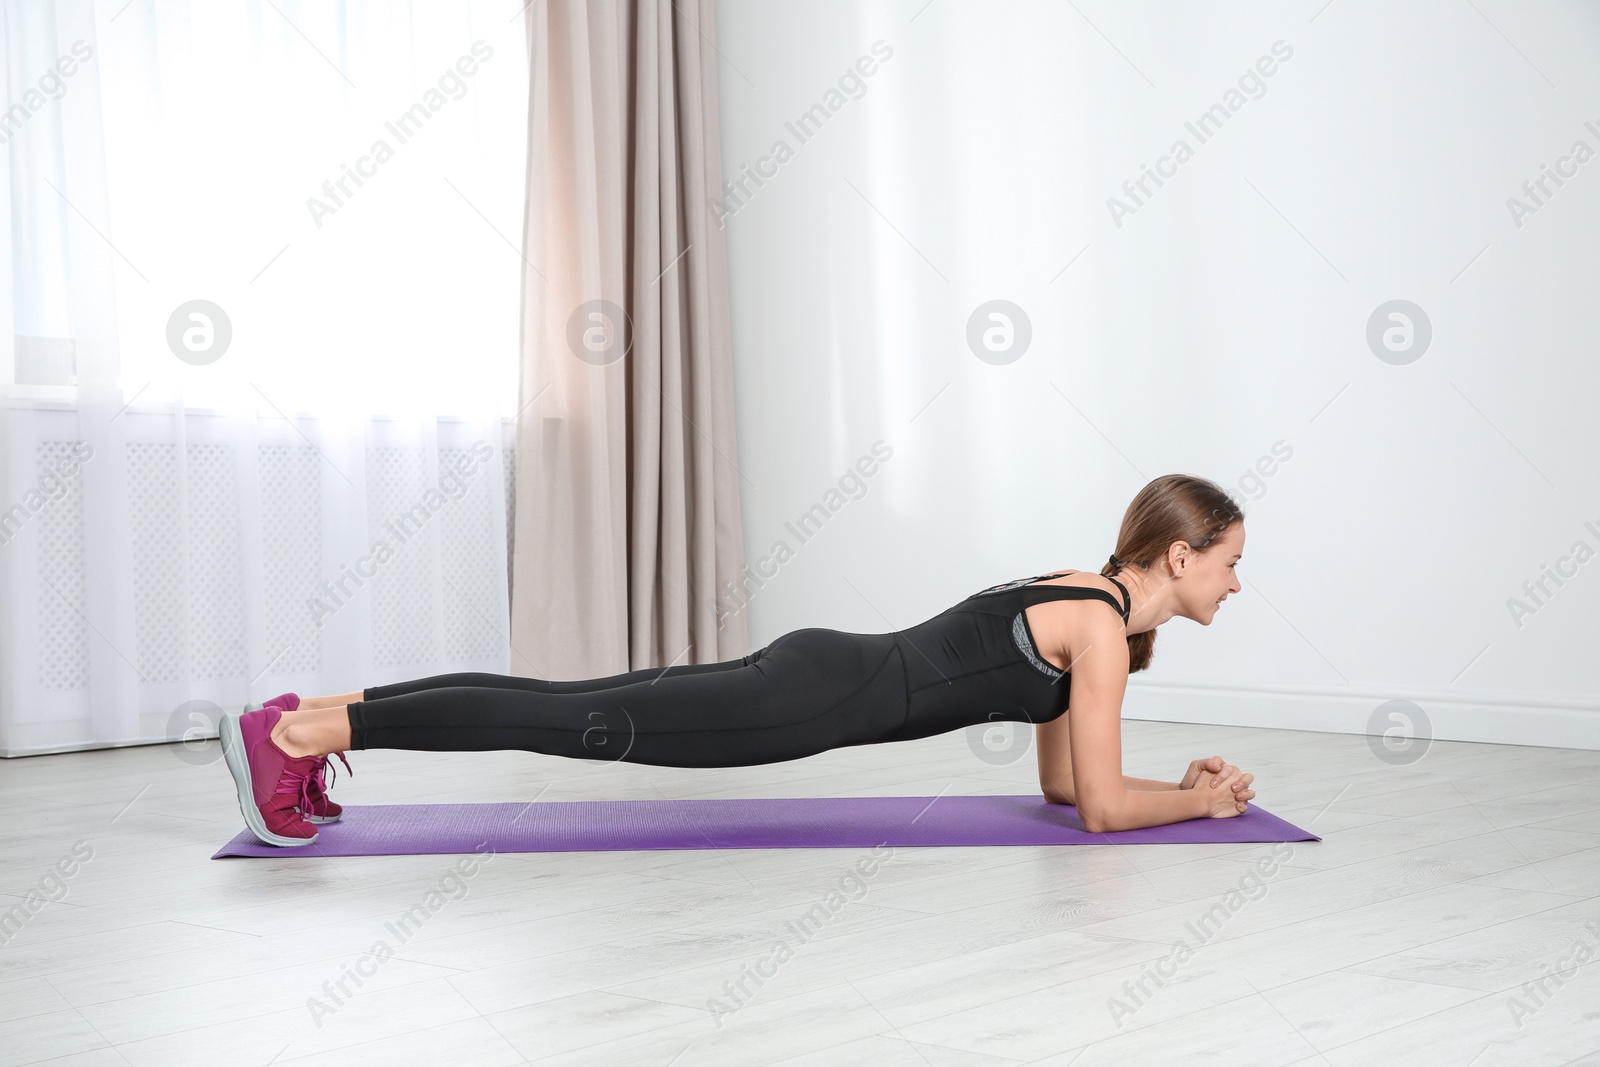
[802, 822]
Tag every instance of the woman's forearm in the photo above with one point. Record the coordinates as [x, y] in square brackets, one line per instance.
[1063, 793]
[1140, 808]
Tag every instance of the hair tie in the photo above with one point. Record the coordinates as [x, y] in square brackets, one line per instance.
[1116, 564]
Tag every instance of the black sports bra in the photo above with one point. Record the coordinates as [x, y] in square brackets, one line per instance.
[1022, 633]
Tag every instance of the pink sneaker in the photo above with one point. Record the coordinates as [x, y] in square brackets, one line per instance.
[319, 807]
[270, 782]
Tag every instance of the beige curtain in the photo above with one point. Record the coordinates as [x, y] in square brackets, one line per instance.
[627, 531]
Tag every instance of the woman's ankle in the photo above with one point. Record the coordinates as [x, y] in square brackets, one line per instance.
[292, 735]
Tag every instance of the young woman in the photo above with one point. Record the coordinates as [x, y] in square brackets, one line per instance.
[1054, 650]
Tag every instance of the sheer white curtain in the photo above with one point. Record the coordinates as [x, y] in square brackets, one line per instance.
[258, 332]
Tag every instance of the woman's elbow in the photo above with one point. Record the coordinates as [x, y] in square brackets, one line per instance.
[1096, 816]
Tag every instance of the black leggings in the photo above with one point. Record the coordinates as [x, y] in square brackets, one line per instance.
[808, 691]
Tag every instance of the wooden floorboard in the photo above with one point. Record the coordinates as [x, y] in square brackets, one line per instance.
[1450, 915]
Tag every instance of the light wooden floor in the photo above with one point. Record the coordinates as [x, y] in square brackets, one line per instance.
[1405, 936]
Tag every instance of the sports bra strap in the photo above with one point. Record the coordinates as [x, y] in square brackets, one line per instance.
[1077, 592]
[1063, 592]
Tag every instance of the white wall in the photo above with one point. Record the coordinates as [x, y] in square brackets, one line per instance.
[1220, 326]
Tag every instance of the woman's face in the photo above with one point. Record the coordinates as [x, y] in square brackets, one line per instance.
[1211, 575]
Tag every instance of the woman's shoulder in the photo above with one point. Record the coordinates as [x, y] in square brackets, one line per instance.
[1075, 616]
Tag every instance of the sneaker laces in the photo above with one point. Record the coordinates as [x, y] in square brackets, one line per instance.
[323, 765]
[296, 783]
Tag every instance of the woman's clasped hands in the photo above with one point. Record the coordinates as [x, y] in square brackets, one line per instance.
[1227, 789]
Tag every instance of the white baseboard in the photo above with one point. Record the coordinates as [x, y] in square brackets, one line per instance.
[1494, 718]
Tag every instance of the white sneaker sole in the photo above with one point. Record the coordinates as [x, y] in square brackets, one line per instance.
[239, 766]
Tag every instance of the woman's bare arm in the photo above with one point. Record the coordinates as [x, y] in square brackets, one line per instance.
[1090, 747]
[1053, 740]
[1148, 785]
[1060, 790]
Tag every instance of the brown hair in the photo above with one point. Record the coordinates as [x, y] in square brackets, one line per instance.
[1173, 507]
